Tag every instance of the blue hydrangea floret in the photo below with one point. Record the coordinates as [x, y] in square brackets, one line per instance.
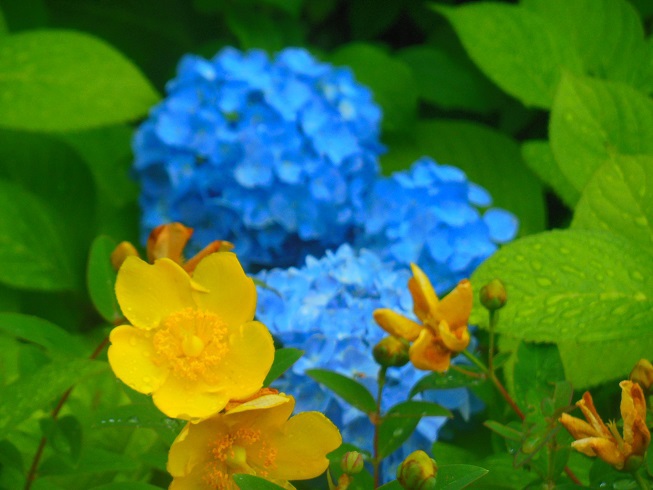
[276, 155]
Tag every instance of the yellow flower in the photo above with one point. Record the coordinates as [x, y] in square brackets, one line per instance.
[169, 241]
[255, 437]
[443, 328]
[594, 438]
[192, 343]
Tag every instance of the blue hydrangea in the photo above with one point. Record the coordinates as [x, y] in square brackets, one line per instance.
[433, 216]
[325, 308]
[276, 155]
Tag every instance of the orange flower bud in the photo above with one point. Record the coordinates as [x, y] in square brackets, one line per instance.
[642, 374]
[121, 252]
[417, 472]
[391, 351]
[352, 463]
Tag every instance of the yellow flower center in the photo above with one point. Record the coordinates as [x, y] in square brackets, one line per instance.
[192, 342]
[241, 451]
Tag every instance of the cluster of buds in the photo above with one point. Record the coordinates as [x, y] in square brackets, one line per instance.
[169, 241]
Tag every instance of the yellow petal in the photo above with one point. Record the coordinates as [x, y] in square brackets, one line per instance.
[131, 356]
[149, 293]
[302, 446]
[243, 369]
[586, 405]
[396, 324]
[264, 402]
[633, 411]
[268, 419]
[187, 400]
[425, 300]
[603, 448]
[191, 446]
[195, 480]
[232, 294]
[579, 429]
[454, 341]
[456, 306]
[427, 354]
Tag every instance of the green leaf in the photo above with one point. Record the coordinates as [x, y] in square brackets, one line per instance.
[396, 94]
[537, 368]
[32, 250]
[592, 119]
[401, 420]
[93, 460]
[504, 430]
[619, 198]
[64, 435]
[561, 289]
[458, 476]
[57, 80]
[27, 394]
[348, 389]
[284, 358]
[450, 81]
[56, 340]
[515, 48]
[443, 381]
[367, 20]
[488, 157]
[101, 279]
[252, 482]
[252, 30]
[107, 153]
[607, 35]
[539, 158]
[127, 486]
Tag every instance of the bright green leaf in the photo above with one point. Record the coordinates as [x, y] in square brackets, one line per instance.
[619, 198]
[93, 460]
[592, 119]
[458, 476]
[284, 358]
[57, 80]
[348, 389]
[101, 279]
[252, 482]
[503, 430]
[27, 394]
[539, 158]
[56, 340]
[515, 48]
[32, 250]
[395, 93]
[607, 35]
[561, 289]
[488, 157]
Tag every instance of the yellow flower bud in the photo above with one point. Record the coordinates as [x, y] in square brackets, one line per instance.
[642, 374]
[121, 252]
[417, 472]
[352, 462]
[493, 295]
[391, 351]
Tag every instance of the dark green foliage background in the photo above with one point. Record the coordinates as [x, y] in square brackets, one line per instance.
[546, 103]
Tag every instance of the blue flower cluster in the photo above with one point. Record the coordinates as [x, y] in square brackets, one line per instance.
[325, 308]
[430, 215]
[274, 155]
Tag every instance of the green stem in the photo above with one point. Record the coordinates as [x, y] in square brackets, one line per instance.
[490, 357]
[31, 475]
[376, 461]
[641, 481]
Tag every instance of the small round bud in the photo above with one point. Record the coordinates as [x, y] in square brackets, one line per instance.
[352, 463]
[417, 472]
[493, 295]
[391, 352]
[642, 374]
[121, 252]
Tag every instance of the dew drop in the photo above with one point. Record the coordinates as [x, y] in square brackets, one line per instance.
[543, 281]
[133, 341]
[640, 296]
[536, 265]
[637, 276]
